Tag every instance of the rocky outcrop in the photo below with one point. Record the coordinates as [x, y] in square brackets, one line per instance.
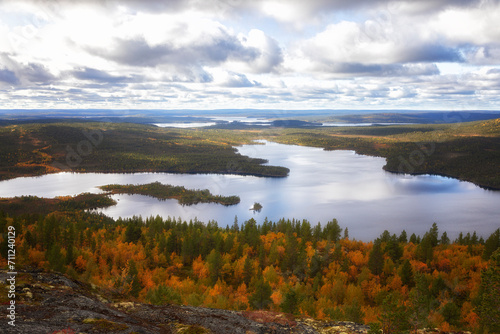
[52, 303]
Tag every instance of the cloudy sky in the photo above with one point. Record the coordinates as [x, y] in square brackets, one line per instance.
[283, 54]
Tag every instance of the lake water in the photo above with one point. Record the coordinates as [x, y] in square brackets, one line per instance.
[322, 185]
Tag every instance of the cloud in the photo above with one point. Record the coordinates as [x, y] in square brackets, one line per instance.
[36, 73]
[205, 50]
[8, 76]
[16, 73]
[270, 55]
[238, 80]
[96, 75]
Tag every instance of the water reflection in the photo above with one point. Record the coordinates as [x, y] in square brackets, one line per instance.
[322, 185]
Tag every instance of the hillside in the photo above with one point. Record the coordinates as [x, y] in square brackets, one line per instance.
[53, 303]
[285, 266]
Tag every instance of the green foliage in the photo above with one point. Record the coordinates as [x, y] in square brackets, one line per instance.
[353, 312]
[162, 295]
[133, 232]
[261, 298]
[290, 302]
[376, 259]
[214, 260]
[395, 315]
[451, 313]
[133, 278]
[491, 244]
[375, 328]
[165, 191]
[406, 274]
[489, 296]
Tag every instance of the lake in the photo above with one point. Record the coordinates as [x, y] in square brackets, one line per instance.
[322, 185]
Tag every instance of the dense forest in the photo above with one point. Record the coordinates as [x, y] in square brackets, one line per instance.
[396, 283]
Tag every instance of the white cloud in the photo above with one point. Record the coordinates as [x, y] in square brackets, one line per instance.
[263, 53]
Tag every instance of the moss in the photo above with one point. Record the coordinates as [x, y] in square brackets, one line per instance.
[191, 329]
[105, 325]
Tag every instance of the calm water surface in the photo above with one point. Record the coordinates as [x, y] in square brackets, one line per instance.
[322, 185]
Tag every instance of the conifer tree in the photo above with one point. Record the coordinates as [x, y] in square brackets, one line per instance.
[376, 259]
[488, 307]
[261, 297]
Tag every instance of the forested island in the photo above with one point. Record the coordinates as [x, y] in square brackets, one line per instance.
[165, 191]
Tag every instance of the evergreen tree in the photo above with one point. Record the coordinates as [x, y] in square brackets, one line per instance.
[332, 231]
[353, 312]
[394, 249]
[214, 260]
[346, 233]
[488, 307]
[491, 244]
[261, 296]
[403, 237]
[394, 317]
[133, 279]
[55, 258]
[247, 271]
[444, 239]
[420, 300]
[406, 274]
[376, 259]
[290, 302]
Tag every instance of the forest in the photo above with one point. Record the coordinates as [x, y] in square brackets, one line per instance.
[397, 283]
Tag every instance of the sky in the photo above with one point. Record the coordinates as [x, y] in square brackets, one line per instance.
[261, 54]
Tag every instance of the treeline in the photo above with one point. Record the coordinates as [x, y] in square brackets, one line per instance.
[467, 151]
[37, 205]
[35, 149]
[397, 282]
[166, 191]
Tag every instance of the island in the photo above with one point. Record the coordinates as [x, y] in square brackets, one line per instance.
[167, 191]
[256, 207]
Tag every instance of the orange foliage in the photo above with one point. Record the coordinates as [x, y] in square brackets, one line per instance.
[277, 297]
[36, 257]
[200, 268]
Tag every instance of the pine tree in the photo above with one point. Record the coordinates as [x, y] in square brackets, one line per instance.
[395, 316]
[262, 295]
[133, 278]
[488, 307]
[376, 259]
[406, 274]
[491, 244]
[290, 302]
[214, 260]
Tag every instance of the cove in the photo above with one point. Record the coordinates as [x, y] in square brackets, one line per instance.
[322, 185]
